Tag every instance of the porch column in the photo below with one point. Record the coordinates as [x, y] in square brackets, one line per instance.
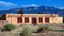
[37, 20]
[23, 20]
[30, 20]
[43, 20]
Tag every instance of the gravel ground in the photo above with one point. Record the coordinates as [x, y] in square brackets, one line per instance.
[35, 27]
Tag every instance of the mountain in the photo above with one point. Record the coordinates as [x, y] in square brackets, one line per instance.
[35, 10]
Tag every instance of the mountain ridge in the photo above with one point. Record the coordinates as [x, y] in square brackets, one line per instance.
[35, 10]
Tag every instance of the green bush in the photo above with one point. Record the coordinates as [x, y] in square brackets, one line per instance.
[8, 27]
[26, 31]
[44, 28]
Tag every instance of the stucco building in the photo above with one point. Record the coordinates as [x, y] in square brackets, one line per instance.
[34, 18]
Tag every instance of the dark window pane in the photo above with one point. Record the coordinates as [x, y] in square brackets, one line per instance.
[40, 19]
[19, 19]
[47, 20]
[26, 19]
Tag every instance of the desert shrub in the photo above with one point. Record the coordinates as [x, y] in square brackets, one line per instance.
[26, 31]
[44, 28]
[8, 27]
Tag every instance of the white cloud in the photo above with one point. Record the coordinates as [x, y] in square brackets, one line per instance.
[33, 5]
[60, 7]
[29, 5]
[7, 3]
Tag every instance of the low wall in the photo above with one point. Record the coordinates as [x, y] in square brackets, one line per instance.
[34, 34]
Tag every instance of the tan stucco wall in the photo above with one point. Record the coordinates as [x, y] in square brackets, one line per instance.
[12, 19]
[56, 19]
[60, 19]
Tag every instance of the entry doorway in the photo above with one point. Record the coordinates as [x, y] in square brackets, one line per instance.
[34, 20]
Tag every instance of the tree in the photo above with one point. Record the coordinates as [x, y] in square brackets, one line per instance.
[38, 13]
[3, 17]
[20, 12]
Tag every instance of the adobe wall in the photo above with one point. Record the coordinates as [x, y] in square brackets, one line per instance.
[12, 18]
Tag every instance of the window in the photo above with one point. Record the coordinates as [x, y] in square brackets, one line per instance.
[40, 19]
[47, 19]
[19, 19]
[26, 19]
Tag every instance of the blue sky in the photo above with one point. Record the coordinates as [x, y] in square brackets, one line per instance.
[7, 4]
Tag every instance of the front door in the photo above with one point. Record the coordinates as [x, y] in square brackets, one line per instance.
[34, 20]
